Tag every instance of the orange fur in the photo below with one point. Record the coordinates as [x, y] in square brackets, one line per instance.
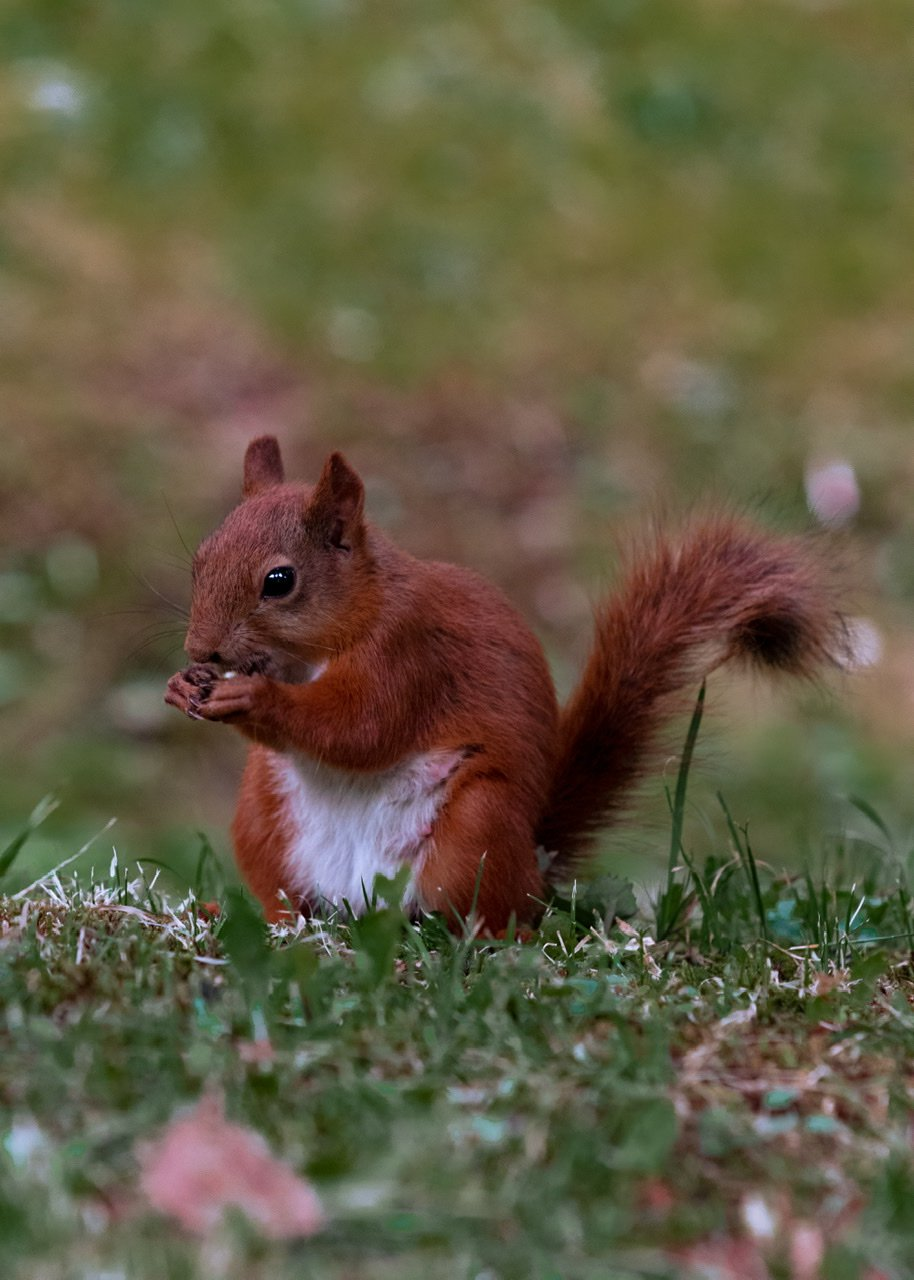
[376, 662]
[257, 835]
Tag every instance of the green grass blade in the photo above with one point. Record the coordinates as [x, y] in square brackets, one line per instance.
[41, 811]
[744, 849]
[708, 909]
[682, 780]
[672, 899]
[864, 807]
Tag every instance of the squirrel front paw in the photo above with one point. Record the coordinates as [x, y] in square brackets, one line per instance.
[190, 688]
[201, 674]
[204, 693]
[233, 697]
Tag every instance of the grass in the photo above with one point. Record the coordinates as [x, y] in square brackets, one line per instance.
[538, 267]
[593, 1102]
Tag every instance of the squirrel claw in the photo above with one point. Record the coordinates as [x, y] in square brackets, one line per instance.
[185, 695]
[202, 675]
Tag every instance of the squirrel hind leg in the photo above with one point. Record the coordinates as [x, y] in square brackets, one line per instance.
[481, 860]
[260, 841]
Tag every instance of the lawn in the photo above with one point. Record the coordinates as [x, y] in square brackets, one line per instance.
[539, 269]
[716, 1086]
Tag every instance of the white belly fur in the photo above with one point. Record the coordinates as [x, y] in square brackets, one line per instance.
[346, 828]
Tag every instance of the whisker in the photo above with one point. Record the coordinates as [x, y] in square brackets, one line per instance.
[165, 555]
[278, 648]
[158, 638]
[176, 561]
[163, 626]
[151, 641]
[176, 638]
[172, 604]
[162, 663]
[127, 613]
[171, 515]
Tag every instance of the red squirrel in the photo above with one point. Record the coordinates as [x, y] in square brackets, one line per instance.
[401, 712]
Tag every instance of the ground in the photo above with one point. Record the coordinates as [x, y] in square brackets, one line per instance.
[539, 269]
[718, 1086]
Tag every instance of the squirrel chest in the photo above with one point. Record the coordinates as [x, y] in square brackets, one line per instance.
[340, 829]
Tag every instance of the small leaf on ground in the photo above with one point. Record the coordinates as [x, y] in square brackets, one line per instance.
[203, 1165]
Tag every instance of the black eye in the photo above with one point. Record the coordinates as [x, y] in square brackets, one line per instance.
[278, 582]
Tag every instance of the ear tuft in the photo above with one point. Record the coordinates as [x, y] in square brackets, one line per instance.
[337, 503]
[262, 466]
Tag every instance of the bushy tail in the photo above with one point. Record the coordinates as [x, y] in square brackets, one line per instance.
[722, 589]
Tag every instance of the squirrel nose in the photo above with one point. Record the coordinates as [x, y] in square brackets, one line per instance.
[201, 653]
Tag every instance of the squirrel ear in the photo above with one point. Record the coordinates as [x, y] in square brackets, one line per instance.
[336, 505]
[262, 466]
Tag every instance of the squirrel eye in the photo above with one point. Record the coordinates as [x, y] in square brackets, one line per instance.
[278, 582]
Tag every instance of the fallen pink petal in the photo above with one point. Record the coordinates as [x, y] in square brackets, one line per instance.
[807, 1251]
[204, 1164]
[723, 1259]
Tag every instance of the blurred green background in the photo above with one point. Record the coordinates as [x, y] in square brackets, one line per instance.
[539, 268]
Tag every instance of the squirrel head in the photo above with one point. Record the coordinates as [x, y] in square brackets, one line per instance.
[287, 578]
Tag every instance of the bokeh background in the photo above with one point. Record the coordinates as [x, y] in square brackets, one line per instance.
[539, 268]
